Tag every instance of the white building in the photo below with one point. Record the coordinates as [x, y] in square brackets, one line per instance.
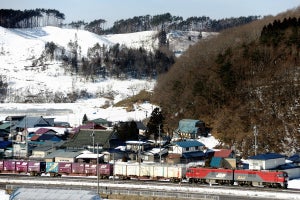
[266, 161]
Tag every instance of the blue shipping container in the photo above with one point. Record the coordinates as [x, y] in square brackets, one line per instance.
[52, 167]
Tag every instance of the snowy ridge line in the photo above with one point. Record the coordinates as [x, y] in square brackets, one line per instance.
[206, 190]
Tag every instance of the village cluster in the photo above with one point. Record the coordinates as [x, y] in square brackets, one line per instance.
[28, 140]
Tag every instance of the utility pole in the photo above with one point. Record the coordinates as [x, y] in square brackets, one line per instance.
[255, 139]
[97, 167]
[93, 138]
[159, 143]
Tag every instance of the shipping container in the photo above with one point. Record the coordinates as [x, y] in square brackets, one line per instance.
[133, 169]
[52, 168]
[64, 168]
[145, 170]
[22, 166]
[1, 165]
[78, 168]
[90, 169]
[105, 170]
[9, 165]
[36, 168]
[120, 170]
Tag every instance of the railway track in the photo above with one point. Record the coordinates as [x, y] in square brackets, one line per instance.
[148, 185]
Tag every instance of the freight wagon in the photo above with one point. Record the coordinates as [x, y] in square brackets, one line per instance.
[36, 168]
[78, 169]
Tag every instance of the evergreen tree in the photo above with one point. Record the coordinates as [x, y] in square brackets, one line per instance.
[84, 119]
[127, 131]
[155, 124]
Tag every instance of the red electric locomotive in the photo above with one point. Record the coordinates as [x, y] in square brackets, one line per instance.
[241, 177]
[267, 178]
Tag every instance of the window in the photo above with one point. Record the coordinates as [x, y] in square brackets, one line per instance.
[196, 148]
[187, 149]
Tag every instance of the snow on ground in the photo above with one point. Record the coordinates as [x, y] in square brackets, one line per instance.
[295, 184]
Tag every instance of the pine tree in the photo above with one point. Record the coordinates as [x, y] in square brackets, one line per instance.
[155, 124]
[84, 119]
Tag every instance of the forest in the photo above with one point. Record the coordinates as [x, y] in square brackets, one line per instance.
[50, 17]
[244, 80]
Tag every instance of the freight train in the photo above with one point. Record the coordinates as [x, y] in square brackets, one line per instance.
[150, 171]
[37, 168]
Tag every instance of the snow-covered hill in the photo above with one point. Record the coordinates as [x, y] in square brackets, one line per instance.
[19, 48]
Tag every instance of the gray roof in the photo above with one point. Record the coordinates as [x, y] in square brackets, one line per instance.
[30, 122]
[189, 143]
[62, 153]
[53, 194]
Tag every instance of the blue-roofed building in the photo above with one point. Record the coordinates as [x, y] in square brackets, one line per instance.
[191, 129]
[266, 161]
[295, 159]
[188, 150]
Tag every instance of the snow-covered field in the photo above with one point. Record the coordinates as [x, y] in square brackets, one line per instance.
[208, 190]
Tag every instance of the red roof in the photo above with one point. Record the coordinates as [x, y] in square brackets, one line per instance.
[41, 131]
[223, 153]
[35, 138]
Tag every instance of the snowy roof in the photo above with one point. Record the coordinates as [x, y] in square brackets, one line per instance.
[57, 194]
[89, 155]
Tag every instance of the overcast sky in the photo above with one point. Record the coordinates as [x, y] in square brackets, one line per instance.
[113, 10]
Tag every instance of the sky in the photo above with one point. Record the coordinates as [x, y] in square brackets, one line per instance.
[113, 10]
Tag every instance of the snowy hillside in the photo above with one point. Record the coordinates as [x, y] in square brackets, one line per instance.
[19, 48]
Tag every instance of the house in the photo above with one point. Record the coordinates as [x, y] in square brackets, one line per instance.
[88, 139]
[62, 156]
[189, 150]
[42, 150]
[42, 131]
[31, 122]
[89, 157]
[102, 122]
[46, 137]
[224, 153]
[295, 159]
[223, 158]
[266, 161]
[4, 131]
[191, 129]
[155, 155]
[141, 127]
